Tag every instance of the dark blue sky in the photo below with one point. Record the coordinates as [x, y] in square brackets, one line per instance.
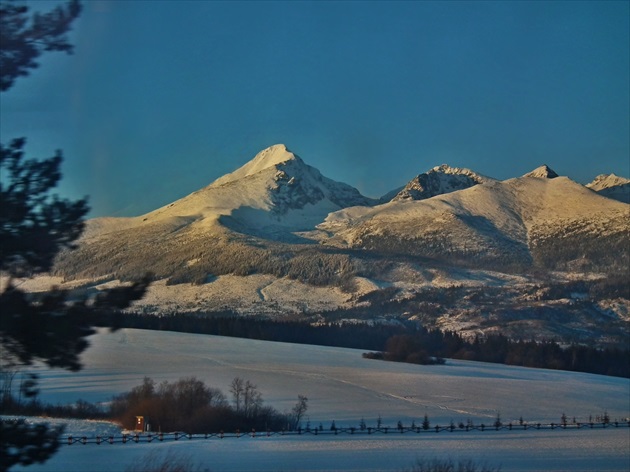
[163, 97]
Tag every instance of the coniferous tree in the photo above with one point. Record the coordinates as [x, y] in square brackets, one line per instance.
[26, 444]
[23, 38]
[35, 225]
[426, 424]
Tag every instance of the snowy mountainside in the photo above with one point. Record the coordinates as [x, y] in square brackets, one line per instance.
[277, 238]
[611, 186]
[274, 191]
[210, 232]
[503, 223]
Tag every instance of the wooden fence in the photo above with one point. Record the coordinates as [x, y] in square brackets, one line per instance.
[418, 430]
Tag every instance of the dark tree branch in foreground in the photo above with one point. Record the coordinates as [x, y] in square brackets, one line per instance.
[51, 328]
[26, 444]
[35, 225]
[23, 38]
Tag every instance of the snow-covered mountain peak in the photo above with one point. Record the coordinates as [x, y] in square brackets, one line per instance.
[611, 186]
[542, 172]
[603, 181]
[438, 181]
[273, 195]
[272, 156]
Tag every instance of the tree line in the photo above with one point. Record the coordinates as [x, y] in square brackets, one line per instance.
[228, 323]
[431, 346]
[404, 341]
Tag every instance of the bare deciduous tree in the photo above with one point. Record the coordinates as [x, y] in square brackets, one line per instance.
[298, 410]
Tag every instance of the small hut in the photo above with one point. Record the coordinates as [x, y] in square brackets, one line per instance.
[139, 423]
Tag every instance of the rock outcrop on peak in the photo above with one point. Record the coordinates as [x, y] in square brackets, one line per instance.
[438, 181]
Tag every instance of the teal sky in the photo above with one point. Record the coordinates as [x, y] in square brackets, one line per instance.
[162, 97]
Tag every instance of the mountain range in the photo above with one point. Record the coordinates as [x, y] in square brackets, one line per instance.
[537, 256]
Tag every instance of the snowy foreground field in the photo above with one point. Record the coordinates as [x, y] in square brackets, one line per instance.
[344, 387]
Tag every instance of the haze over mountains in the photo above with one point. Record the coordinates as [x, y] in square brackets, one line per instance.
[277, 238]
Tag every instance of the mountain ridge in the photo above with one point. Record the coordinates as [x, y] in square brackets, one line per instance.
[277, 238]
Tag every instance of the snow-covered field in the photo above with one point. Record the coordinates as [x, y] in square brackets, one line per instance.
[344, 387]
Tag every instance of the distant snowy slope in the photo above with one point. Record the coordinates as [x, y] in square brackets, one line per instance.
[611, 186]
